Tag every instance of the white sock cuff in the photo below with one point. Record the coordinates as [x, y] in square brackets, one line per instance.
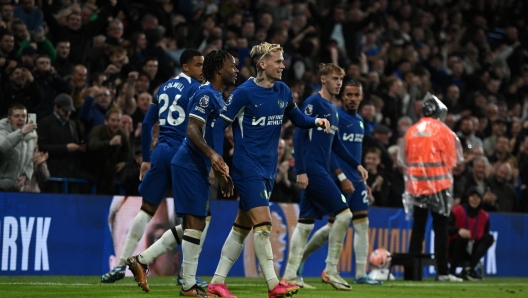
[361, 226]
[305, 227]
[343, 216]
[144, 214]
[238, 237]
[192, 236]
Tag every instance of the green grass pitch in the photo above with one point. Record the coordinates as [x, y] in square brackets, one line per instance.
[89, 286]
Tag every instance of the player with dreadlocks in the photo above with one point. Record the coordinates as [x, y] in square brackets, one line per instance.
[193, 161]
[258, 106]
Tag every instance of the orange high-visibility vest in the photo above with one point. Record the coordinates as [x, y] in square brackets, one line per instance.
[430, 153]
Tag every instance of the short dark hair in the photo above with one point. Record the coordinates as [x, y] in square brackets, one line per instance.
[150, 58]
[63, 39]
[465, 118]
[213, 63]
[111, 111]
[374, 150]
[40, 57]
[15, 106]
[143, 74]
[354, 83]
[188, 55]
[72, 14]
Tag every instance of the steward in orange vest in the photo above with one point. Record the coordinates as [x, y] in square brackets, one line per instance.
[429, 152]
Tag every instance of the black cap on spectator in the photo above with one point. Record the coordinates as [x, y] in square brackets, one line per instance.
[65, 102]
[380, 128]
[474, 190]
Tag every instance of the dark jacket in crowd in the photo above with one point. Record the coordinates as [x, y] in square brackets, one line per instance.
[54, 134]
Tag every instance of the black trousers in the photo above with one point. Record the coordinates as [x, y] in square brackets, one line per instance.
[440, 241]
[458, 251]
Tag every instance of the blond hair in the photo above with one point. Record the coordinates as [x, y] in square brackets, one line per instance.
[328, 68]
[262, 50]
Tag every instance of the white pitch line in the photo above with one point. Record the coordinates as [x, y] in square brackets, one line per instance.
[404, 284]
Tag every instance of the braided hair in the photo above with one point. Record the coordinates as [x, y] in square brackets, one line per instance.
[213, 63]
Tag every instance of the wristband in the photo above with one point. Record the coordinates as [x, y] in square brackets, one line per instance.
[341, 177]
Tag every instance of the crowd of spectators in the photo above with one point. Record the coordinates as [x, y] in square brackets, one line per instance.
[89, 70]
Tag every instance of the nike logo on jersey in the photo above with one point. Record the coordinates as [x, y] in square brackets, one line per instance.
[256, 106]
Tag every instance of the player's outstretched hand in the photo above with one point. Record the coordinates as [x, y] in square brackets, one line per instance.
[145, 166]
[302, 181]
[364, 174]
[323, 123]
[218, 164]
[226, 185]
[347, 187]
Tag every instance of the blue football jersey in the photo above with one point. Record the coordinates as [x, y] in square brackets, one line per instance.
[256, 114]
[206, 105]
[313, 147]
[351, 131]
[169, 108]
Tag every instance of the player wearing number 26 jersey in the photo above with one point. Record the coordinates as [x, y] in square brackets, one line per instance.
[169, 107]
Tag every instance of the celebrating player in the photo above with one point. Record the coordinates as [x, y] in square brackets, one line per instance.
[169, 108]
[192, 163]
[256, 109]
[351, 131]
[321, 196]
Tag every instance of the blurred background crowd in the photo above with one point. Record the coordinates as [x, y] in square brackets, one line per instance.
[89, 70]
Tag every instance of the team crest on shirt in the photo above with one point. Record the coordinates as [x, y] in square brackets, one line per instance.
[281, 104]
[308, 110]
[229, 99]
[204, 101]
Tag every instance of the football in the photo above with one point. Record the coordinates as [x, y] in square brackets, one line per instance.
[380, 258]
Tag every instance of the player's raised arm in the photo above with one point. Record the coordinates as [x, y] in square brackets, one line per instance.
[301, 120]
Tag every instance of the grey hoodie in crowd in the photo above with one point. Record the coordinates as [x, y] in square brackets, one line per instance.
[16, 152]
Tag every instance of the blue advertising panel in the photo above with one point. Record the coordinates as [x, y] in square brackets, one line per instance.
[44, 234]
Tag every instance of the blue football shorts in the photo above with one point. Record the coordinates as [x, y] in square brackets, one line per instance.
[157, 181]
[254, 192]
[321, 197]
[191, 191]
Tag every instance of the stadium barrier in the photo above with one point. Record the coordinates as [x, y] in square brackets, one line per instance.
[48, 234]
